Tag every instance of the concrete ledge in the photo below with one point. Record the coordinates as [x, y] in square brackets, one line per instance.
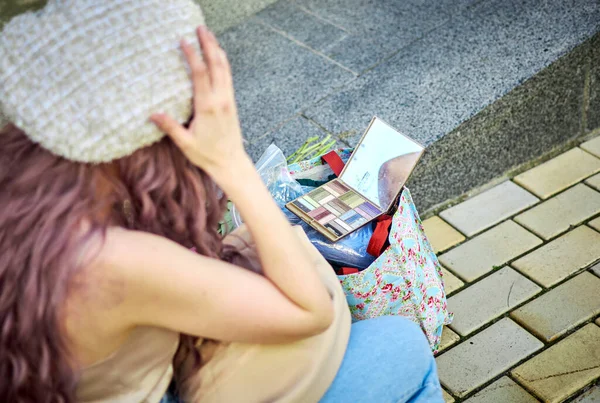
[223, 14]
[555, 106]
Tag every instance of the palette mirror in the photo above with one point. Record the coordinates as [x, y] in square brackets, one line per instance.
[381, 163]
[367, 186]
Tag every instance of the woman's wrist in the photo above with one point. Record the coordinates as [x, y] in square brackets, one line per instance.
[235, 173]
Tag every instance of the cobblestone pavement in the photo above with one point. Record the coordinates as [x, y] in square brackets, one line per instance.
[522, 271]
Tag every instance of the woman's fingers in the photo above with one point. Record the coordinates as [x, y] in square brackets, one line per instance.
[213, 55]
[200, 74]
[173, 129]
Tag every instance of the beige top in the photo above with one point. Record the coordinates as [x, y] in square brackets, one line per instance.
[299, 372]
[139, 371]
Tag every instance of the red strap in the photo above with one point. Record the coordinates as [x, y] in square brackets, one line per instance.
[380, 236]
[334, 161]
[349, 270]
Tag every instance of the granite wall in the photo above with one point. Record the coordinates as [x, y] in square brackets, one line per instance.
[538, 119]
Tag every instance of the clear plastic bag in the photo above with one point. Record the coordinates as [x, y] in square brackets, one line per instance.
[350, 251]
[272, 168]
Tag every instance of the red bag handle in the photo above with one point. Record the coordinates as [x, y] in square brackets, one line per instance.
[334, 161]
[379, 239]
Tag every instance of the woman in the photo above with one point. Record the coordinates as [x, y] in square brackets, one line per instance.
[115, 282]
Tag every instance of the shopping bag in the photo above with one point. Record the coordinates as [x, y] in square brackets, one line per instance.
[406, 279]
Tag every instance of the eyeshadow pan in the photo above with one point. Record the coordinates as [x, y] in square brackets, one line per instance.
[321, 215]
[336, 186]
[341, 207]
[359, 222]
[298, 203]
[342, 224]
[316, 212]
[355, 217]
[362, 213]
[328, 217]
[342, 186]
[330, 190]
[331, 208]
[370, 209]
[333, 230]
[347, 215]
[310, 200]
[326, 199]
[337, 226]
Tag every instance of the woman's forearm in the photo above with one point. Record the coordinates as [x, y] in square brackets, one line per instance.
[284, 259]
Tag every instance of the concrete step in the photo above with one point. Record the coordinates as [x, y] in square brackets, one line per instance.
[486, 85]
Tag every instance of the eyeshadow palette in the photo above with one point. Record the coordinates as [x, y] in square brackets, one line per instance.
[335, 209]
[367, 186]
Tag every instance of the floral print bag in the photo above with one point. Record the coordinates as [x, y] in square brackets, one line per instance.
[406, 279]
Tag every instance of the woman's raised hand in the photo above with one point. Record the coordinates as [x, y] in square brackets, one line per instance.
[214, 139]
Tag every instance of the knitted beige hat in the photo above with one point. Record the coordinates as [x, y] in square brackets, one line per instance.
[82, 77]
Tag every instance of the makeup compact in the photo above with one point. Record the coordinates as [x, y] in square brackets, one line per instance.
[367, 187]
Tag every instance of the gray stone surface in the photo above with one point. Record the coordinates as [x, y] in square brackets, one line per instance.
[304, 27]
[562, 309]
[540, 115]
[10, 8]
[504, 390]
[484, 356]
[223, 14]
[493, 296]
[488, 208]
[274, 77]
[476, 51]
[452, 73]
[590, 396]
[593, 109]
[289, 138]
[377, 29]
[596, 269]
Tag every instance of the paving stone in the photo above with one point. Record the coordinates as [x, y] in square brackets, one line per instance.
[559, 173]
[504, 390]
[562, 309]
[449, 338]
[562, 257]
[592, 146]
[596, 269]
[302, 26]
[489, 208]
[494, 247]
[275, 77]
[447, 397]
[451, 282]
[564, 368]
[598, 321]
[559, 213]
[595, 224]
[590, 396]
[441, 235]
[493, 296]
[594, 181]
[484, 356]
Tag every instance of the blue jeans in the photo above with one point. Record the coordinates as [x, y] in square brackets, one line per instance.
[388, 361]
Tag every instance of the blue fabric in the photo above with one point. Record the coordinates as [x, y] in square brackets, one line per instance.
[388, 360]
